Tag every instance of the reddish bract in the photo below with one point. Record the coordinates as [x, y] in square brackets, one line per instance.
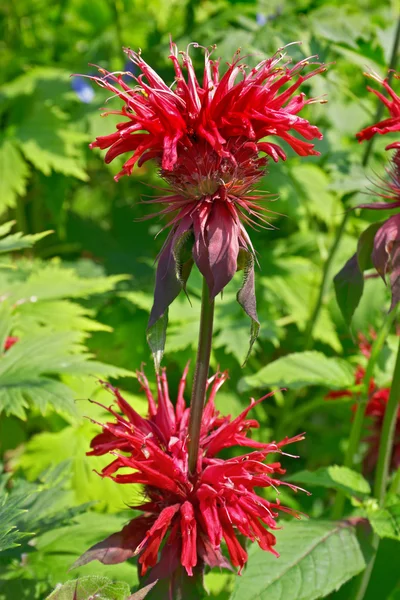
[189, 514]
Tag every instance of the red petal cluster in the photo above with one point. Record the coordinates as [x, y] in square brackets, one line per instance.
[189, 514]
[376, 407]
[164, 123]
[389, 125]
[206, 137]
[10, 341]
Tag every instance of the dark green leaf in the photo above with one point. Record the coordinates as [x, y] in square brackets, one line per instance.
[316, 558]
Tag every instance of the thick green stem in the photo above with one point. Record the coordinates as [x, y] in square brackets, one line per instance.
[342, 226]
[200, 375]
[358, 421]
[383, 468]
[387, 435]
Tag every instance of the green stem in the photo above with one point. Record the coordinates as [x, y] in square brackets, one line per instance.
[387, 435]
[367, 153]
[200, 375]
[20, 215]
[383, 467]
[358, 421]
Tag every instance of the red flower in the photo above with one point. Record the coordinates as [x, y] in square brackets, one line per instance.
[189, 514]
[10, 341]
[206, 137]
[389, 125]
[376, 407]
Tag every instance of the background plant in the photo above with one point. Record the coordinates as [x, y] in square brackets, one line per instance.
[92, 279]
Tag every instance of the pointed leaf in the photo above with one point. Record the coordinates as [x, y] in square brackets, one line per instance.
[247, 299]
[143, 592]
[173, 270]
[349, 286]
[14, 173]
[156, 337]
[300, 369]
[88, 587]
[386, 521]
[336, 478]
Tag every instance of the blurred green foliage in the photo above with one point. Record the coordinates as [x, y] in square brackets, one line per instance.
[79, 301]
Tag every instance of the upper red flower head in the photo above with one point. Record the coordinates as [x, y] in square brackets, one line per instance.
[192, 514]
[206, 137]
[165, 124]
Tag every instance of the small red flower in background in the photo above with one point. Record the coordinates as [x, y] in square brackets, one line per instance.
[206, 138]
[390, 125]
[375, 409]
[189, 514]
[386, 251]
[10, 341]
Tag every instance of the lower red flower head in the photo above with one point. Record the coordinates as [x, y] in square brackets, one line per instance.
[188, 516]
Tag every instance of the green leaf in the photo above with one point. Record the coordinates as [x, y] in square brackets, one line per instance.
[349, 286]
[53, 280]
[49, 142]
[365, 246]
[25, 366]
[313, 185]
[13, 174]
[10, 510]
[316, 558]
[18, 241]
[143, 592]
[349, 282]
[246, 297]
[386, 521]
[336, 478]
[301, 369]
[156, 337]
[89, 587]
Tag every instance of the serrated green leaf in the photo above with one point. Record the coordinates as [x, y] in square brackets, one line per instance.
[336, 478]
[48, 142]
[23, 370]
[301, 369]
[47, 449]
[53, 280]
[13, 174]
[10, 510]
[18, 241]
[89, 587]
[316, 558]
[386, 521]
